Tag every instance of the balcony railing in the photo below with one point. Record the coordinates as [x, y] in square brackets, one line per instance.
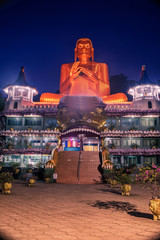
[120, 151]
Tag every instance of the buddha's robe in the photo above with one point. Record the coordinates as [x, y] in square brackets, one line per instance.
[93, 80]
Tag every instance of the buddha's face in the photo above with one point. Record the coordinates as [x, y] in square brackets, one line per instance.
[84, 49]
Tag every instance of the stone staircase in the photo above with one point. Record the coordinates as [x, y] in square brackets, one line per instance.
[78, 167]
[66, 168]
[88, 170]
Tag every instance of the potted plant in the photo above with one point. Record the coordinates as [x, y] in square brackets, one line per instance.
[151, 129]
[1, 165]
[114, 181]
[10, 145]
[15, 166]
[40, 164]
[112, 127]
[133, 129]
[32, 178]
[106, 175]
[149, 177]
[31, 181]
[29, 177]
[125, 180]
[48, 174]
[112, 146]
[154, 146]
[134, 146]
[47, 146]
[110, 176]
[6, 180]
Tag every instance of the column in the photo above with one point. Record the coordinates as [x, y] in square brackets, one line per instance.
[41, 144]
[23, 123]
[22, 140]
[142, 160]
[122, 160]
[21, 159]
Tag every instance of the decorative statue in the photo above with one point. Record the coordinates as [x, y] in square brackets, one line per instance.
[105, 154]
[106, 163]
[54, 159]
[55, 155]
[85, 77]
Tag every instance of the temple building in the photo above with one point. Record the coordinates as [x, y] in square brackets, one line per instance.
[79, 124]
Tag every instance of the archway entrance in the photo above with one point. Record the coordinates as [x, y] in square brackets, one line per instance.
[80, 140]
[79, 160]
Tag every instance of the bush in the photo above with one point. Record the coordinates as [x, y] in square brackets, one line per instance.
[48, 173]
[1, 164]
[123, 176]
[109, 174]
[6, 177]
[149, 177]
[15, 164]
[106, 173]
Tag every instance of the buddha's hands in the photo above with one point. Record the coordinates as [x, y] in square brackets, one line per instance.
[90, 74]
[75, 70]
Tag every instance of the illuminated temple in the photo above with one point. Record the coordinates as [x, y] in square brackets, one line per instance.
[80, 120]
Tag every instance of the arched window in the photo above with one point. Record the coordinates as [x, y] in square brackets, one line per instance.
[149, 104]
[15, 105]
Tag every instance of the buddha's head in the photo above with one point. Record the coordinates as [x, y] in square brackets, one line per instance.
[85, 48]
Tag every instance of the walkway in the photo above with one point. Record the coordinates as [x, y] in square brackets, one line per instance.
[75, 212]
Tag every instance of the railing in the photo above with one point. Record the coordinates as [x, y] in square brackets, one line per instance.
[78, 166]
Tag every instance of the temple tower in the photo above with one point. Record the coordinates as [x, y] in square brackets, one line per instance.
[20, 93]
[146, 94]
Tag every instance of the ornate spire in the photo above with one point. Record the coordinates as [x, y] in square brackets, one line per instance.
[144, 79]
[21, 80]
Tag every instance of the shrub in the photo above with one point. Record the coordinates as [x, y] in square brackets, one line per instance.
[48, 173]
[123, 176]
[6, 177]
[149, 177]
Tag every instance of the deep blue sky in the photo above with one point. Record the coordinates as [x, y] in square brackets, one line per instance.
[41, 35]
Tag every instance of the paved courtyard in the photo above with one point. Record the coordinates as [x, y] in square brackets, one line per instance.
[75, 212]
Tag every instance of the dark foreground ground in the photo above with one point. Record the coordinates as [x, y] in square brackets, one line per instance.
[76, 212]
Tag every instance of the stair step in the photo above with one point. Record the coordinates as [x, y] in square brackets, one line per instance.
[68, 163]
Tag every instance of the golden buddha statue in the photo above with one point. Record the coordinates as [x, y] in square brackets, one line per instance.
[85, 77]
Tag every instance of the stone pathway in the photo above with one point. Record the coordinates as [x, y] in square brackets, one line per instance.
[76, 212]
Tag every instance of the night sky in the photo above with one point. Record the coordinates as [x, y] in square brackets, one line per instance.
[41, 35]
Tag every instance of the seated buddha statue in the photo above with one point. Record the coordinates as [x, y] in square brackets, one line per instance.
[84, 77]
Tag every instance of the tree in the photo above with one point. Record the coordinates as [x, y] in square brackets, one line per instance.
[158, 82]
[2, 101]
[120, 84]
